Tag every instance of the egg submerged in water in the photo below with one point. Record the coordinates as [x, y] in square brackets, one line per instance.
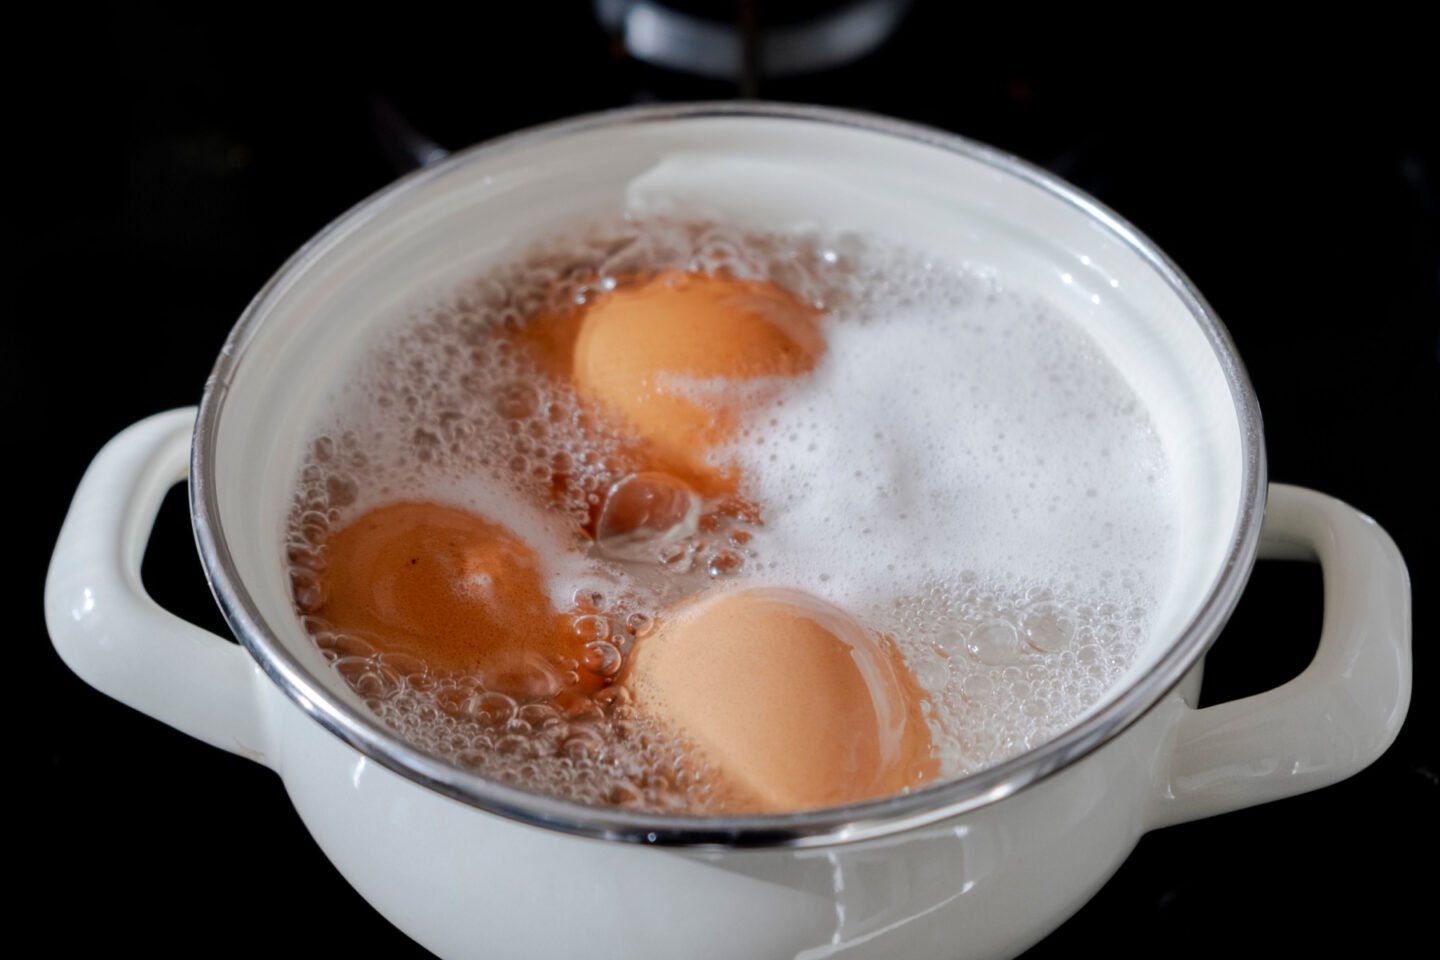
[791, 702]
[661, 359]
[457, 590]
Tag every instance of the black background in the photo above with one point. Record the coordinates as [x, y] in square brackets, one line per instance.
[169, 160]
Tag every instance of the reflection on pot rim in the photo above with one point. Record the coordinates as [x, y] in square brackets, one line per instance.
[811, 828]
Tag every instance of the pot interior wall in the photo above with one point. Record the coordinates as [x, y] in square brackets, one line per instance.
[417, 245]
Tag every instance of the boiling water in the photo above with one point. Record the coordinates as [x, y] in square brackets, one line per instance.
[963, 472]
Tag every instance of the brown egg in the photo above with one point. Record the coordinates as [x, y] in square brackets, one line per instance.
[447, 586]
[791, 702]
[644, 353]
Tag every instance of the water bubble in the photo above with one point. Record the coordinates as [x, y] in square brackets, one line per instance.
[601, 658]
[306, 557]
[724, 563]
[1047, 628]
[580, 746]
[343, 644]
[540, 716]
[493, 708]
[677, 558]
[305, 587]
[518, 725]
[644, 513]
[517, 401]
[516, 745]
[368, 678]
[995, 642]
[613, 697]
[931, 673]
[625, 795]
[341, 490]
[403, 664]
[977, 686]
[591, 628]
[579, 707]
[531, 677]
[951, 639]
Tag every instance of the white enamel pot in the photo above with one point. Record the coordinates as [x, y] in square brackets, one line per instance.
[980, 867]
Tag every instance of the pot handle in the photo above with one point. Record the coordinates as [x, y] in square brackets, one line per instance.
[1343, 711]
[105, 626]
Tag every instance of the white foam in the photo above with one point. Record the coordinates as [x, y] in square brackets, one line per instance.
[950, 426]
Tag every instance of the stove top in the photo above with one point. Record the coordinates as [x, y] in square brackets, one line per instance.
[1291, 173]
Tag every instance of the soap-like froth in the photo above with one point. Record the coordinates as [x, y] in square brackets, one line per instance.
[950, 426]
[455, 589]
[793, 704]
